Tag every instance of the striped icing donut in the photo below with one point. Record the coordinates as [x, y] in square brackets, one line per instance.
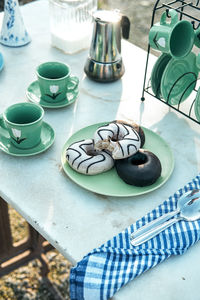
[120, 139]
[136, 127]
[83, 158]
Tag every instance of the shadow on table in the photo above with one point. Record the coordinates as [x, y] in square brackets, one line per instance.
[97, 102]
[110, 91]
[177, 131]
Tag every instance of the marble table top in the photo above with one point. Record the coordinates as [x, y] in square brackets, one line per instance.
[73, 219]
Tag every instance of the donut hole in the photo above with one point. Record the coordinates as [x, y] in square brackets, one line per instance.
[92, 152]
[139, 159]
[141, 169]
[116, 139]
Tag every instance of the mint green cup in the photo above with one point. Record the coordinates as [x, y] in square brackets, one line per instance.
[175, 38]
[55, 81]
[23, 122]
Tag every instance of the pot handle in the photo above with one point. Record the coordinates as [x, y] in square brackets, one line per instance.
[125, 24]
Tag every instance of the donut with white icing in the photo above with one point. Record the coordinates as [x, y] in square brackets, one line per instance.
[136, 127]
[120, 139]
[85, 159]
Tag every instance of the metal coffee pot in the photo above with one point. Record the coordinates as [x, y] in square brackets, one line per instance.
[104, 63]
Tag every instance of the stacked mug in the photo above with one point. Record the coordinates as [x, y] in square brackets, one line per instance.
[175, 73]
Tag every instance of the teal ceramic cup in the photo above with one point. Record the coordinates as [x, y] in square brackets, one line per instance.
[23, 121]
[55, 81]
[175, 38]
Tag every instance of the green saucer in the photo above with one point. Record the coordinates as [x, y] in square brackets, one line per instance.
[179, 79]
[197, 37]
[197, 105]
[109, 183]
[157, 73]
[1, 62]
[33, 94]
[47, 139]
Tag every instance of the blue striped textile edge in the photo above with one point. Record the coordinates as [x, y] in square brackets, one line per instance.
[103, 271]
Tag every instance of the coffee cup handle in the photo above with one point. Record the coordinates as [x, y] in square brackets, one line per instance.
[174, 17]
[73, 83]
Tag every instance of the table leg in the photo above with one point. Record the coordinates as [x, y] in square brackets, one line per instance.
[32, 247]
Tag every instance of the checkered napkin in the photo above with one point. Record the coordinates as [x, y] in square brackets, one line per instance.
[106, 269]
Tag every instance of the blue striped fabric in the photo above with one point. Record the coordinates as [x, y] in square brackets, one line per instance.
[103, 271]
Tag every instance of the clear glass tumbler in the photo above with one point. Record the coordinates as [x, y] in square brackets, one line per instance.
[71, 24]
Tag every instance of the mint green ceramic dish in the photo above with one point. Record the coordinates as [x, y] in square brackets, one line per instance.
[197, 105]
[179, 79]
[157, 73]
[47, 139]
[33, 94]
[109, 183]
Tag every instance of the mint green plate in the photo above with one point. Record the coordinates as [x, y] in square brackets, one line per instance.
[47, 139]
[33, 94]
[197, 37]
[179, 79]
[109, 183]
[197, 105]
[157, 73]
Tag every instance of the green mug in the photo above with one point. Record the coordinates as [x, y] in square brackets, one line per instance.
[55, 81]
[175, 38]
[23, 121]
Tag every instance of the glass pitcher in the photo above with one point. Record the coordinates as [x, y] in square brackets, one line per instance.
[71, 24]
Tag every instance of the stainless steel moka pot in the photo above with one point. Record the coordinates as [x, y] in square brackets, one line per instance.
[104, 63]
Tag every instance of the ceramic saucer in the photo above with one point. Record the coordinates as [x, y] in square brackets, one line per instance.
[157, 73]
[47, 139]
[33, 94]
[197, 105]
[179, 79]
[1, 62]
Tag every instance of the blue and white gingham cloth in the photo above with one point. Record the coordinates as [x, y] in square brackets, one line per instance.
[102, 272]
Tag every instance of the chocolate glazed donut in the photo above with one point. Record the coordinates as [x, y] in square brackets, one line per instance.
[140, 169]
[136, 127]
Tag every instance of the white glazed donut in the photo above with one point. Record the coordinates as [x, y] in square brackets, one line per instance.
[120, 139]
[83, 158]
